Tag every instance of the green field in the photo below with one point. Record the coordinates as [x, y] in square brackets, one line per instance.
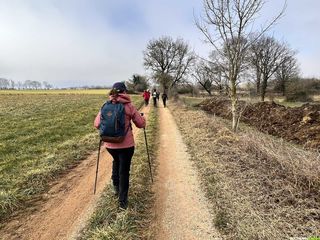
[42, 135]
[54, 91]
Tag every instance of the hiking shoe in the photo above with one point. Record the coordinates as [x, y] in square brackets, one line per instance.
[123, 205]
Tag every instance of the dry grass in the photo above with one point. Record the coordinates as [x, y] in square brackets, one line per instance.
[260, 187]
[316, 98]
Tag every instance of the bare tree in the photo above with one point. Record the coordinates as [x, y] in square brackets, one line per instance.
[209, 74]
[12, 84]
[36, 85]
[220, 70]
[255, 62]
[4, 83]
[19, 85]
[204, 75]
[27, 84]
[227, 25]
[267, 56]
[169, 60]
[46, 85]
[137, 83]
[287, 70]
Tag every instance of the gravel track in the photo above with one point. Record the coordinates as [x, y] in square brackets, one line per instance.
[181, 206]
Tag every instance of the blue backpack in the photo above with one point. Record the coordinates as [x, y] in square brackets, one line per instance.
[112, 122]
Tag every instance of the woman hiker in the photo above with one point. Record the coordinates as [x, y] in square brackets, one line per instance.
[146, 96]
[164, 98]
[122, 152]
[154, 97]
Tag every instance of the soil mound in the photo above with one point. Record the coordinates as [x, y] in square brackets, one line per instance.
[300, 124]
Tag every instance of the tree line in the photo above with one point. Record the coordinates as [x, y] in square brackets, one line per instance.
[238, 53]
[28, 84]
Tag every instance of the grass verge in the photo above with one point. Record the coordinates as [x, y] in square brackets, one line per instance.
[191, 101]
[108, 222]
[260, 187]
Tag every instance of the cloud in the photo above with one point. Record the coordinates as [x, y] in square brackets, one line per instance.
[80, 42]
[46, 45]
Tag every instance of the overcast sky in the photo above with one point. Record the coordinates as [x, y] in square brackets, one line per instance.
[98, 42]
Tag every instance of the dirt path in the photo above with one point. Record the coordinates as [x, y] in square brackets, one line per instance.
[181, 207]
[68, 204]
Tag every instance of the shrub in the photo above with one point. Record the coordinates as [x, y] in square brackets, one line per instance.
[298, 96]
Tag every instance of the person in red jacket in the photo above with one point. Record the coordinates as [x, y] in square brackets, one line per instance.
[146, 96]
[122, 152]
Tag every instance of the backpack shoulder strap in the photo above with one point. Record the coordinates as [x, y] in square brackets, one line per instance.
[107, 102]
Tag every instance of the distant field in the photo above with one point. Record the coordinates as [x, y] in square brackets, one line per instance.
[40, 136]
[69, 91]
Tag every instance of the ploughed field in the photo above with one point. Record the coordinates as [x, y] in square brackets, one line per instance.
[42, 135]
[300, 125]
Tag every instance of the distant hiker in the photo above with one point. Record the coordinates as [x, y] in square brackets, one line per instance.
[158, 95]
[146, 97]
[164, 99]
[154, 97]
[121, 151]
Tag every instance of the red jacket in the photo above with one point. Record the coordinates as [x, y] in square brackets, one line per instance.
[146, 95]
[131, 114]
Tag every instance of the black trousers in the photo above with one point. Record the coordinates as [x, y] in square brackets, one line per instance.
[154, 101]
[164, 102]
[121, 170]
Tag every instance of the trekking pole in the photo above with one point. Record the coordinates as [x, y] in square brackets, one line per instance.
[145, 138]
[95, 182]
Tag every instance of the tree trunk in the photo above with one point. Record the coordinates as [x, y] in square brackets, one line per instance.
[263, 89]
[262, 96]
[233, 96]
[208, 91]
[258, 82]
[283, 87]
[258, 87]
[227, 90]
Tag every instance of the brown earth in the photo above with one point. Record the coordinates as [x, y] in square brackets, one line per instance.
[181, 209]
[300, 125]
[67, 206]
